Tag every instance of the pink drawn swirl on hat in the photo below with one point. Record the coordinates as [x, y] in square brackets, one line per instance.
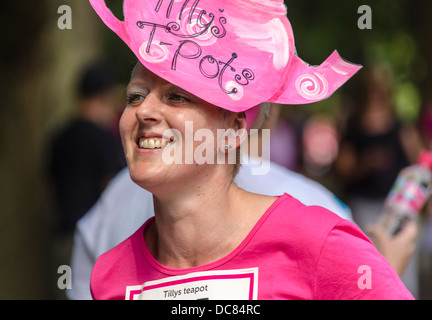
[155, 54]
[236, 90]
[312, 86]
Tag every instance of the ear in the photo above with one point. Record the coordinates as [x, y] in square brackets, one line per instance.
[236, 135]
[242, 128]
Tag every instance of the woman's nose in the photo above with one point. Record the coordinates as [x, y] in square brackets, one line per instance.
[149, 111]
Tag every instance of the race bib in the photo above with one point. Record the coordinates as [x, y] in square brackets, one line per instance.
[208, 285]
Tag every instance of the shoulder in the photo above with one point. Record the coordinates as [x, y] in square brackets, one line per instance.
[279, 180]
[119, 252]
[333, 254]
[302, 219]
[299, 228]
[350, 267]
[116, 267]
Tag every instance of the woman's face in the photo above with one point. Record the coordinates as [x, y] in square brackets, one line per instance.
[155, 108]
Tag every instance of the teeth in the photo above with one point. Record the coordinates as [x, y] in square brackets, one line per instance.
[143, 144]
[152, 143]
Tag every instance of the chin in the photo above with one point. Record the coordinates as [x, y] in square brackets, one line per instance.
[152, 178]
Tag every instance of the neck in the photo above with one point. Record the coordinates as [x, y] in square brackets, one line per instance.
[203, 225]
[187, 227]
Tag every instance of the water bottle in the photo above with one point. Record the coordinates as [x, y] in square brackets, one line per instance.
[408, 195]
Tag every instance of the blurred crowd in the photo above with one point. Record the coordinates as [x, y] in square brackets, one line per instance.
[358, 154]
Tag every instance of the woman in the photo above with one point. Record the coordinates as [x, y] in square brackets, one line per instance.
[193, 212]
[210, 239]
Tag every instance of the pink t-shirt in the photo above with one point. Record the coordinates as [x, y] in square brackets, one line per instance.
[293, 252]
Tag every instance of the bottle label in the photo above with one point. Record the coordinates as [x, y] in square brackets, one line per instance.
[408, 193]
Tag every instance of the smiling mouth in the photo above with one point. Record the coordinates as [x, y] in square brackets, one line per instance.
[152, 143]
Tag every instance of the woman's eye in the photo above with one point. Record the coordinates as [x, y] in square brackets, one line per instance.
[134, 98]
[178, 98]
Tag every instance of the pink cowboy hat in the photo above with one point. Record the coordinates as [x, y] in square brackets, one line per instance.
[234, 54]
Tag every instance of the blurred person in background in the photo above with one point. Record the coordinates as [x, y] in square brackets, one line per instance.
[375, 146]
[425, 126]
[86, 153]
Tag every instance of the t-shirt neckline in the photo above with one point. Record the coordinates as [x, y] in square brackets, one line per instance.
[212, 265]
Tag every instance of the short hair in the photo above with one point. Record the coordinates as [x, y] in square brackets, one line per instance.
[262, 117]
[95, 80]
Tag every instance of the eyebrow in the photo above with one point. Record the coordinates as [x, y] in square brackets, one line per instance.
[130, 89]
[136, 83]
[141, 83]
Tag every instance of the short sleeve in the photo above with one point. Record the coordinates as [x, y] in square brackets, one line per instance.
[351, 268]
